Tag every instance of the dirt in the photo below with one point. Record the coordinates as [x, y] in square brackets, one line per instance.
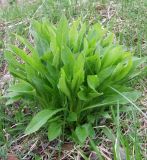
[12, 157]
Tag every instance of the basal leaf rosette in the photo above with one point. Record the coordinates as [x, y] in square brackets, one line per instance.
[73, 71]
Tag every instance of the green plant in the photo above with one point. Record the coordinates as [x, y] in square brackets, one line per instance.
[125, 145]
[71, 71]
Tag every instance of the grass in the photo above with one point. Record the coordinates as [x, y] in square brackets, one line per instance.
[119, 134]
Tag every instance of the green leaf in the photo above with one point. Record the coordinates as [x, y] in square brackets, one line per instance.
[34, 62]
[28, 45]
[62, 85]
[68, 60]
[116, 98]
[22, 54]
[93, 64]
[91, 118]
[87, 94]
[108, 132]
[72, 117]
[106, 115]
[12, 100]
[92, 34]
[130, 100]
[12, 61]
[90, 130]
[62, 32]
[73, 35]
[80, 37]
[40, 119]
[112, 56]
[42, 34]
[126, 69]
[93, 81]
[78, 73]
[67, 56]
[104, 74]
[22, 88]
[121, 70]
[54, 130]
[108, 40]
[81, 133]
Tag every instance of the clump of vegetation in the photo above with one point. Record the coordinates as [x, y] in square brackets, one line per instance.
[74, 72]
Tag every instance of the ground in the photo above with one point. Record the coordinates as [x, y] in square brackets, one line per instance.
[128, 20]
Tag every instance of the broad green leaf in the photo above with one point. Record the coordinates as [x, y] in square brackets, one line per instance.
[87, 94]
[105, 74]
[20, 91]
[130, 100]
[126, 69]
[73, 35]
[78, 73]
[40, 119]
[12, 94]
[67, 56]
[112, 56]
[100, 31]
[136, 62]
[12, 100]
[42, 34]
[72, 117]
[85, 47]
[34, 63]
[81, 133]
[95, 34]
[28, 45]
[22, 54]
[22, 88]
[106, 115]
[93, 64]
[13, 62]
[62, 32]
[68, 61]
[91, 118]
[90, 130]
[114, 98]
[62, 85]
[117, 70]
[80, 37]
[93, 81]
[121, 70]
[96, 105]
[15, 68]
[98, 61]
[108, 40]
[18, 74]
[54, 130]
[82, 94]
[108, 132]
